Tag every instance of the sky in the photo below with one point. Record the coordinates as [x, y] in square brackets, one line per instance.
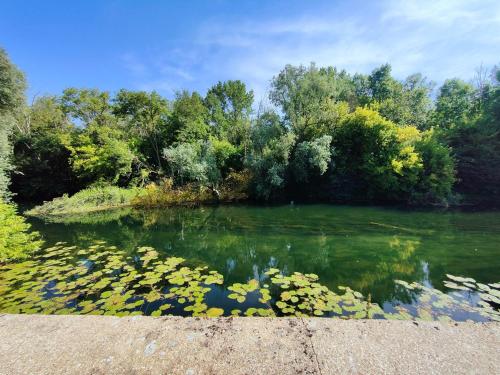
[172, 45]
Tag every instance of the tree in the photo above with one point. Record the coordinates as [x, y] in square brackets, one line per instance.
[311, 158]
[418, 101]
[307, 95]
[200, 163]
[12, 88]
[86, 105]
[99, 154]
[147, 116]
[454, 104]
[270, 167]
[229, 106]
[40, 153]
[226, 156]
[185, 163]
[266, 126]
[189, 118]
[364, 147]
[404, 103]
[476, 146]
[381, 83]
[437, 175]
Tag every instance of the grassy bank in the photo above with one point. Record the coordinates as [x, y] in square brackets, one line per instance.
[152, 196]
[87, 200]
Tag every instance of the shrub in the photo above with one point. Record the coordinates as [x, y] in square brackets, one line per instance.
[233, 188]
[87, 200]
[16, 240]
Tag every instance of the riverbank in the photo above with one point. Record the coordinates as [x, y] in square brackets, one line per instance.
[51, 344]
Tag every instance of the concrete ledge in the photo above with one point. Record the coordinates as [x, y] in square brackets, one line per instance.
[37, 344]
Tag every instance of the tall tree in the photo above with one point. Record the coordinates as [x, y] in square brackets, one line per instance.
[147, 115]
[40, 153]
[311, 98]
[189, 118]
[229, 107]
[12, 88]
[86, 105]
[454, 104]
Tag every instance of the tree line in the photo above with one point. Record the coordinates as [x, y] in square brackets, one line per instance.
[326, 135]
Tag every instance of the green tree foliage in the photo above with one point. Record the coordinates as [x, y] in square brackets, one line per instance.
[365, 146]
[454, 104]
[86, 105]
[100, 149]
[376, 160]
[40, 153]
[189, 118]
[227, 156]
[437, 174]
[404, 103]
[185, 162]
[266, 126]
[12, 88]
[100, 154]
[201, 163]
[146, 115]
[229, 107]
[6, 121]
[311, 158]
[332, 136]
[16, 240]
[270, 167]
[476, 146]
[307, 97]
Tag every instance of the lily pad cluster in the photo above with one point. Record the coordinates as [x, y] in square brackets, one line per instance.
[241, 293]
[301, 295]
[433, 304]
[489, 294]
[105, 280]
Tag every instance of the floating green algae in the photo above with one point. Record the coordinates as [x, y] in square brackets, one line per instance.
[105, 280]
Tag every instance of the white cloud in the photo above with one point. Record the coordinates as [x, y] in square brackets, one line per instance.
[438, 38]
[443, 12]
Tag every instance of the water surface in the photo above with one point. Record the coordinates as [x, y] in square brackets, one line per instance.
[365, 248]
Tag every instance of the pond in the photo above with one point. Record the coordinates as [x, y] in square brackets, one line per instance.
[250, 260]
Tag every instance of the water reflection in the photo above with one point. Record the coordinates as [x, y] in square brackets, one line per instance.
[364, 247]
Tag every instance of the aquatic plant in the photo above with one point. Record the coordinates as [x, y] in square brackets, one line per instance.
[105, 280]
[301, 295]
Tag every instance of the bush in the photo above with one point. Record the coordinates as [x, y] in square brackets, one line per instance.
[16, 240]
[233, 188]
[365, 148]
[91, 199]
[436, 178]
[164, 194]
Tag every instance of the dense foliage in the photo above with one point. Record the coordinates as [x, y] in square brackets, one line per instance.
[16, 240]
[12, 86]
[329, 136]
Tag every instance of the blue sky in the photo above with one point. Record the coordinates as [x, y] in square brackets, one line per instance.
[172, 45]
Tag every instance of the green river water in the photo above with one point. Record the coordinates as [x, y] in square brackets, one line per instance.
[251, 248]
